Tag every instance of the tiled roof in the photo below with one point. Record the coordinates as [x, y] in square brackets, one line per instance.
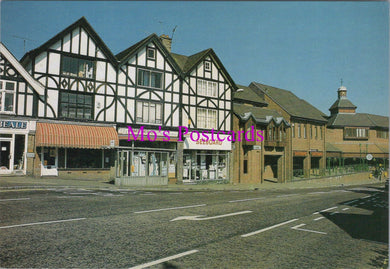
[358, 120]
[260, 115]
[186, 63]
[342, 103]
[293, 105]
[247, 95]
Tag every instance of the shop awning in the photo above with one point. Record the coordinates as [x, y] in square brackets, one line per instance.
[75, 136]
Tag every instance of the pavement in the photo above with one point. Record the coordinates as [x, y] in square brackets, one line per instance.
[26, 182]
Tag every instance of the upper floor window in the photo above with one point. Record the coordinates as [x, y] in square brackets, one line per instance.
[7, 96]
[149, 112]
[151, 53]
[77, 67]
[316, 132]
[207, 118]
[207, 88]
[355, 133]
[149, 78]
[304, 131]
[382, 134]
[293, 130]
[299, 130]
[76, 105]
[207, 65]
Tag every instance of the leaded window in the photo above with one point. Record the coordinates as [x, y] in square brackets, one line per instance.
[149, 79]
[76, 105]
[7, 96]
[77, 67]
[149, 112]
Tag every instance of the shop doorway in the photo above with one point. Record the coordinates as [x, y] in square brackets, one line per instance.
[271, 167]
[5, 156]
[49, 157]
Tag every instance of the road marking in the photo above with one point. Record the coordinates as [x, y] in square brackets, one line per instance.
[209, 218]
[38, 223]
[244, 200]
[350, 202]
[74, 196]
[170, 208]
[14, 199]
[147, 194]
[305, 230]
[362, 203]
[319, 218]
[287, 195]
[345, 209]
[317, 192]
[366, 196]
[330, 208]
[268, 228]
[333, 213]
[145, 265]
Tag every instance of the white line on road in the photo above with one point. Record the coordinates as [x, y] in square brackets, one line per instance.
[244, 200]
[319, 218]
[330, 208]
[170, 208]
[366, 196]
[268, 228]
[38, 223]
[334, 213]
[145, 265]
[345, 209]
[287, 195]
[362, 203]
[14, 199]
[305, 230]
[209, 218]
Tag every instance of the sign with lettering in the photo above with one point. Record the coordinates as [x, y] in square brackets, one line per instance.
[217, 144]
[11, 124]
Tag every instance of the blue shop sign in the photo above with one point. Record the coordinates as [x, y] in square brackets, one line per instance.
[10, 124]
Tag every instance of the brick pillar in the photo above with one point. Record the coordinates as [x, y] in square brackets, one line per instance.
[281, 169]
[307, 166]
[179, 164]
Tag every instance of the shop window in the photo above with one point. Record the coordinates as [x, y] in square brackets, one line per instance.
[75, 105]
[205, 165]
[83, 158]
[7, 96]
[77, 67]
[149, 78]
[206, 118]
[207, 88]
[149, 112]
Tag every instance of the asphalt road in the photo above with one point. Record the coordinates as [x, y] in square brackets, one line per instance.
[94, 228]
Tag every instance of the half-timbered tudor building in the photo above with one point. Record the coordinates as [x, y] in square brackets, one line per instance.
[206, 106]
[308, 128]
[75, 130]
[101, 111]
[256, 160]
[353, 137]
[19, 94]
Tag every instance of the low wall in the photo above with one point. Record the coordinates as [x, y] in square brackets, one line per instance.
[99, 174]
[342, 179]
[141, 181]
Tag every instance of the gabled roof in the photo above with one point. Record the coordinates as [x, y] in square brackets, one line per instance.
[288, 101]
[38, 87]
[247, 95]
[188, 63]
[358, 120]
[260, 115]
[342, 103]
[82, 22]
[126, 54]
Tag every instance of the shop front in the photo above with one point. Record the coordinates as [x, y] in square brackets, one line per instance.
[13, 145]
[75, 150]
[206, 160]
[146, 161]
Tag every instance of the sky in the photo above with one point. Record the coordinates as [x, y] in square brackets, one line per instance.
[304, 47]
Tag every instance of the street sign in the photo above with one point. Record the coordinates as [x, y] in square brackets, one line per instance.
[369, 157]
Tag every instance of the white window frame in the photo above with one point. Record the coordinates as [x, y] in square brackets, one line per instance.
[207, 65]
[154, 53]
[150, 75]
[207, 88]
[208, 120]
[144, 109]
[3, 92]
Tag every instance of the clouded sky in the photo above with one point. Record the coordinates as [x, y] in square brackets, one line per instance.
[304, 47]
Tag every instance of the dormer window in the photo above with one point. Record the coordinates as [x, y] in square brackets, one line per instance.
[77, 67]
[207, 65]
[151, 53]
[7, 96]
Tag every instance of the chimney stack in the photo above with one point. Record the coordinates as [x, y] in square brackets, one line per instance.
[166, 41]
